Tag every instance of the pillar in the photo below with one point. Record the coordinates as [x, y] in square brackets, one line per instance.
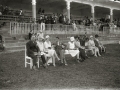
[111, 15]
[93, 12]
[34, 10]
[68, 10]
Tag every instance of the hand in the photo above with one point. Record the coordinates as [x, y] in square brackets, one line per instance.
[35, 53]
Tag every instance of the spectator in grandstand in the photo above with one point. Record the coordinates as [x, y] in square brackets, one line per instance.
[90, 45]
[21, 12]
[2, 45]
[74, 25]
[6, 10]
[50, 50]
[30, 34]
[99, 45]
[39, 11]
[43, 11]
[72, 50]
[42, 23]
[1, 8]
[0, 13]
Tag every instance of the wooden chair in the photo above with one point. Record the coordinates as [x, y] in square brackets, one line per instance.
[29, 60]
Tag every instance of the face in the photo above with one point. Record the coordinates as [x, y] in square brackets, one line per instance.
[40, 39]
[91, 38]
[33, 38]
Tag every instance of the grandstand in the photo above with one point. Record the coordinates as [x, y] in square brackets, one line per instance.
[16, 29]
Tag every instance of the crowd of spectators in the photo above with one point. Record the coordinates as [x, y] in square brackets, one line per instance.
[6, 10]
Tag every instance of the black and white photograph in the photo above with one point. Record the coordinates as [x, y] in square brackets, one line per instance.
[59, 44]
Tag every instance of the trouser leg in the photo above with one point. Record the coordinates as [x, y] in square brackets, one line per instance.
[34, 60]
[43, 59]
[82, 53]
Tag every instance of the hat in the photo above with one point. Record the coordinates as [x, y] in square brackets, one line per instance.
[72, 38]
[47, 36]
[91, 36]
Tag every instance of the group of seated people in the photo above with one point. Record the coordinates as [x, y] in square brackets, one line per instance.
[40, 46]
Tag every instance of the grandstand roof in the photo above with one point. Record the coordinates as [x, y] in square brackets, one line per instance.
[103, 3]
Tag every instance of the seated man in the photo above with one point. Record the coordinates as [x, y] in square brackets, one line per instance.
[72, 50]
[99, 44]
[2, 46]
[81, 48]
[33, 50]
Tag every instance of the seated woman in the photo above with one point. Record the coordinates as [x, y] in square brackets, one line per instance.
[90, 45]
[72, 50]
[99, 44]
[51, 52]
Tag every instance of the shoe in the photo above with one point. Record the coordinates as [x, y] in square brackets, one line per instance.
[54, 65]
[34, 68]
[95, 55]
[81, 60]
[66, 64]
[78, 60]
[45, 65]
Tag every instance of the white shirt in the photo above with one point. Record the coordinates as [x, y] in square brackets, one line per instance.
[41, 46]
[47, 45]
[71, 45]
[91, 42]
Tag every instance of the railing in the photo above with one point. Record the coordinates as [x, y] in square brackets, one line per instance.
[111, 30]
[16, 18]
[25, 28]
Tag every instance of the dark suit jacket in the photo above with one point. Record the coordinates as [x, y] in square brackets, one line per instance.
[31, 47]
[96, 43]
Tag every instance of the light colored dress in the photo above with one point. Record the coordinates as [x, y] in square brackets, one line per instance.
[71, 49]
[50, 51]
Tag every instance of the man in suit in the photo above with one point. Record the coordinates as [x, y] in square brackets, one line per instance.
[33, 51]
[81, 49]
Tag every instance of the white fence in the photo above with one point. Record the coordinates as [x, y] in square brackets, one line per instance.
[25, 28]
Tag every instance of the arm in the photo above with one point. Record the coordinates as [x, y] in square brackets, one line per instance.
[28, 48]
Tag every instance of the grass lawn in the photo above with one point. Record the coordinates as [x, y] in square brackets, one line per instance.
[101, 72]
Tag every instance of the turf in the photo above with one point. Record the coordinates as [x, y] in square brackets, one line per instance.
[97, 73]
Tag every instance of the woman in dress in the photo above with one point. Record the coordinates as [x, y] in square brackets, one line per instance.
[91, 46]
[51, 52]
[72, 50]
